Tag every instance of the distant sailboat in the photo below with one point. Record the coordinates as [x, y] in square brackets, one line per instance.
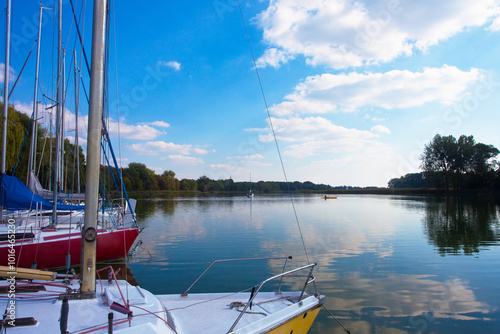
[250, 194]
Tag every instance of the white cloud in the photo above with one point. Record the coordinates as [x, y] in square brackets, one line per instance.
[312, 129]
[160, 124]
[273, 57]
[81, 141]
[395, 89]
[380, 129]
[25, 108]
[349, 33]
[161, 147]
[316, 136]
[126, 131]
[184, 160]
[172, 64]
[12, 74]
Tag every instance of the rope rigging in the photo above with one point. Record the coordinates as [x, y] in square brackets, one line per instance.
[280, 157]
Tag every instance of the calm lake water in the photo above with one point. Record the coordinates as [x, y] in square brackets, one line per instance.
[386, 264]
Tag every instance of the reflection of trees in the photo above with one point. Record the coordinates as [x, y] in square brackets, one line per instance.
[460, 224]
[144, 209]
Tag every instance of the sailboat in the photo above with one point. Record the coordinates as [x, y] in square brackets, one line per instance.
[250, 194]
[47, 235]
[85, 304]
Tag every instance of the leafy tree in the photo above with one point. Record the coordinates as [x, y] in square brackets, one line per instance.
[188, 185]
[460, 163]
[438, 160]
[411, 180]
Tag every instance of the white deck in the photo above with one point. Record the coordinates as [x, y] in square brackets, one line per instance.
[196, 313]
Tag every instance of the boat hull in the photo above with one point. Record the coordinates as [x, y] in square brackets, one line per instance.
[51, 251]
[298, 325]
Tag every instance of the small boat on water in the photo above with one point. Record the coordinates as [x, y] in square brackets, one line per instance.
[329, 197]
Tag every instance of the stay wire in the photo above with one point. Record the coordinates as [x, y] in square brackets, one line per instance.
[279, 154]
[274, 133]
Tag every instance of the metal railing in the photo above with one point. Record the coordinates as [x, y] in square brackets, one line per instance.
[286, 258]
[291, 273]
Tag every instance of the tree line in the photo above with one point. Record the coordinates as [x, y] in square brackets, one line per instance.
[454, 164]
[137, 177]
[19, 134]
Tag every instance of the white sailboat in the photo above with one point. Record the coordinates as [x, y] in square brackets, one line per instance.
[87, 305]
[48, 234]
[250, 194]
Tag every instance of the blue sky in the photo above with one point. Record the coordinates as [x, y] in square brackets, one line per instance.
[355, 89]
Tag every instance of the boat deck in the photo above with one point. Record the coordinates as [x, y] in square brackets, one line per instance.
[218, 312]
[169, 314]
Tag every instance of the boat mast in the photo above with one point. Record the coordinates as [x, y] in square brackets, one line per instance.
[93, 150]
[77, 149]
[6, 89]
[32, 156]
[58, 115]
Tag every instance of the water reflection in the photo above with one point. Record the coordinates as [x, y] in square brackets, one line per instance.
[462, 225]
[377, 259]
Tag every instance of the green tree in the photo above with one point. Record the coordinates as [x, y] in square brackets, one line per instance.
[140, 177]
[460, 163]
[188, 185]
[438, 160]
[411, 180]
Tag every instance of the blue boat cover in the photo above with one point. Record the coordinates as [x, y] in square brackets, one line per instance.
[15, 195]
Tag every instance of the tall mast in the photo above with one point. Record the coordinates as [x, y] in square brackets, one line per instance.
[32, 156]
[77, 150]
[93, 149]
[62, 176]
[58, 115]
[6, 89]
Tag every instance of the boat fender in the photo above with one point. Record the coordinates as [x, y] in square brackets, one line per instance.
[64, 316]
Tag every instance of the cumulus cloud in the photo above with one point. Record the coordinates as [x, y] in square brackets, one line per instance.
[394, 89]
[316, 135]
[161, 147]
[273, 57]
[348, 33]
[127, 131]
[172, 64]
[380, 129]
[160, 124]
